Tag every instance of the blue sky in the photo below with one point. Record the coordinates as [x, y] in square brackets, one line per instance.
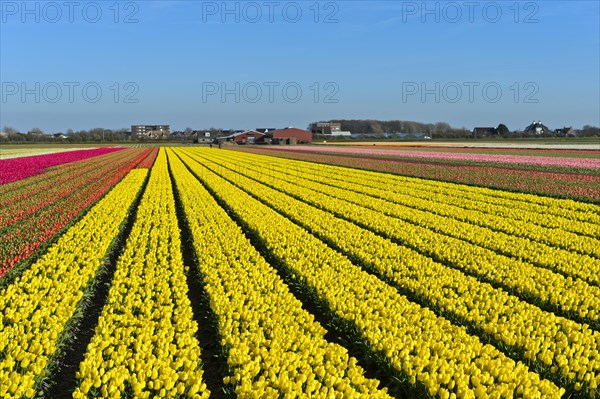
[232, 64]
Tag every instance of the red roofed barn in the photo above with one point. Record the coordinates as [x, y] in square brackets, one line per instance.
[247, 137]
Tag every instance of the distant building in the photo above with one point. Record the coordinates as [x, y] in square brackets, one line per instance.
[150, 131]
[246, 137]
[299, 135]
[203, 136]
[537, 128]
[330, 128]
[484, 131]
[566, 131]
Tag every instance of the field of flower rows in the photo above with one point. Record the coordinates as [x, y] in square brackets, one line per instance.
[19, 168]
[7, 152]
[34, 209]
[578, 162]
[579, 181]
[197, 273]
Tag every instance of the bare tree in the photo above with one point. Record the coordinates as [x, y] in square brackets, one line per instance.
[9, 130]
[36, 131]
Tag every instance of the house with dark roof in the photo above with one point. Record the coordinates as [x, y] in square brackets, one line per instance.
[566, 132]
[537, 128]
[202, 136]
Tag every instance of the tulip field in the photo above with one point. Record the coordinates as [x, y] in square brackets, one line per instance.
[194, 272]
[564, 173]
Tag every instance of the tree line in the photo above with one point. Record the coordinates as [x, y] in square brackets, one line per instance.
[37, 135]
[377, 127]
[372, 127]
[434, 130]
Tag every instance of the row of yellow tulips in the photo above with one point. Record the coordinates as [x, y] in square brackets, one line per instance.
[274, 345]
[567, 348]
[563, 214]
[145, 338]
[540, 205]
[422, 346]
[472, 209]
[523, 237]
[35, 308]
[546, 287]
[436, 217]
